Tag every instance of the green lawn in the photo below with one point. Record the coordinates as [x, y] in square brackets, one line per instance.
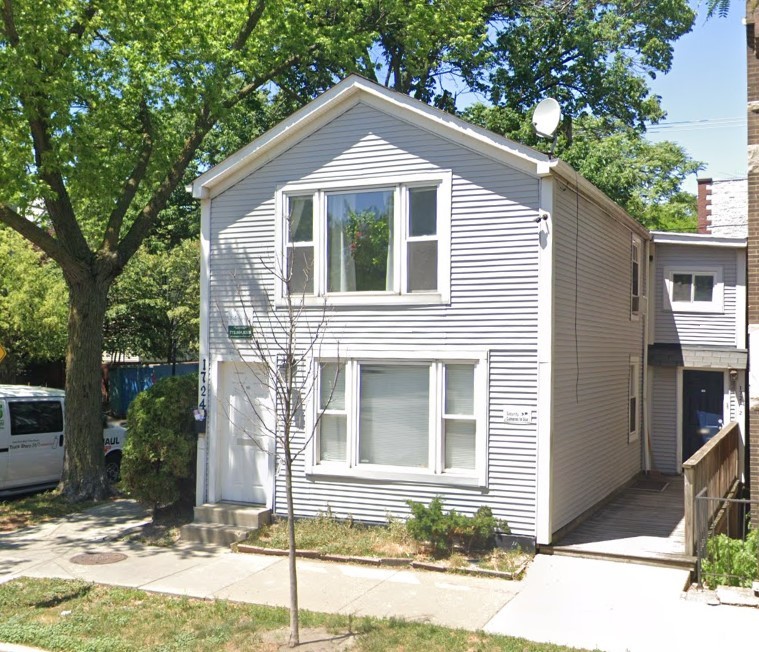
[31, 510]
[82, 617]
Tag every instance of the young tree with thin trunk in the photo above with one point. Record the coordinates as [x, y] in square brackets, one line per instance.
[279, 349]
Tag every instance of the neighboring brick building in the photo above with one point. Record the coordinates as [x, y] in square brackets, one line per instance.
[723, 207]
[752, 82]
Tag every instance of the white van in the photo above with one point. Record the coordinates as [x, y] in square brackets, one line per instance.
[31, 439]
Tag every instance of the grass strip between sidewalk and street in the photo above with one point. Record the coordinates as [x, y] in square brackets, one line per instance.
[67, 615]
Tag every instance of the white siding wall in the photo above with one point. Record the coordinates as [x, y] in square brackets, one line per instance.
[594, 339]
[664, 402]
[695, 328]
[494, 248]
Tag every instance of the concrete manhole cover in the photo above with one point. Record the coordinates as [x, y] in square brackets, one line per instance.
[97, 558]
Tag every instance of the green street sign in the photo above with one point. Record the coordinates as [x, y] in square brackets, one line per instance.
[239, 332]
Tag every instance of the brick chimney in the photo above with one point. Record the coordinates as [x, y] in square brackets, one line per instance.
[752, 277]
[704, 205]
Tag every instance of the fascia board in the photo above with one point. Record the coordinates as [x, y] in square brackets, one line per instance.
[341, 98]
[698, 239]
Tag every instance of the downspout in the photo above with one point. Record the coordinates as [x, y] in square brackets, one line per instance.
[646, 434]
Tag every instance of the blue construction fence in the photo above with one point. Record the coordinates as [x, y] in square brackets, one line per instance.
[126, 381]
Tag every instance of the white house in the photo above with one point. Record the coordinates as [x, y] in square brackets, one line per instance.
[491, 353]
[697, 356]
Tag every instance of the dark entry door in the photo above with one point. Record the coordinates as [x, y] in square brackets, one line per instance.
[703, 393]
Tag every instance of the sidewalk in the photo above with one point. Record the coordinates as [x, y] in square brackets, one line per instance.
[578, 602]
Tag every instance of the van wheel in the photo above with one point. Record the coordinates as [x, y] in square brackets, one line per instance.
[113, 467]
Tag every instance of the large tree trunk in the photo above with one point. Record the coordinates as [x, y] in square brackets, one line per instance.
[84, 470]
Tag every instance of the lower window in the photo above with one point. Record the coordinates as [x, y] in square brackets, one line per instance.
[407, 416]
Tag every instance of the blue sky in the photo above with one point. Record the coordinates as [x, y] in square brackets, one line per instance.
[705, 96]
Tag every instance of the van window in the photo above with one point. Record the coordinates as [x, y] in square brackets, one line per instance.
[32, 417]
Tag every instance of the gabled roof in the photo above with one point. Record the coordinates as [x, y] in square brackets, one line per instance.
[354, 89]
[342, 97]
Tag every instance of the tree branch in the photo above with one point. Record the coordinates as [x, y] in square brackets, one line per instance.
[250, 24]
[9, 24]
[116, 219]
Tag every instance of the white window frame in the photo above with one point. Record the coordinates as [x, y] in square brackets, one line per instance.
[435, 473]
[633, 392]
[716, 305]
[400, 184]
[636, 252]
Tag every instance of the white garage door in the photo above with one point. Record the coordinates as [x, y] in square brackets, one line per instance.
[246, 447]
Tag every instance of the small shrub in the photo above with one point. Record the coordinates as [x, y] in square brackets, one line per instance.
[731, 562]
[158, 468]
[443, 530]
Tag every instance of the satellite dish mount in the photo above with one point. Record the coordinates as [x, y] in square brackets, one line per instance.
[545, 120]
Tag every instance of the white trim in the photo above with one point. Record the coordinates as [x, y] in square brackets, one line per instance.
[435, 474]
[342, 97]
[679, 420]
[636, 251]
[544, 475]
[204, 370]
[213, 486]
[740, 299]
[716, 305]
[400, 184]
[698, 239]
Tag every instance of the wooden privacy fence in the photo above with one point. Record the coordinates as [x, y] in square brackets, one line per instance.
[713, 470]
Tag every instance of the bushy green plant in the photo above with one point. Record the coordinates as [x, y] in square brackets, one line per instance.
[442, 530]
[158, 468]
[731, 562]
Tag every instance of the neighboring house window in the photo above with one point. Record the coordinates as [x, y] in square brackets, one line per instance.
[635, 283]
[395, 418]
[633, 391]
[354, 242]
[690, 289]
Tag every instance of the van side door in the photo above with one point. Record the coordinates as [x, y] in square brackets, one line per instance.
[36, 441]
[5, 436]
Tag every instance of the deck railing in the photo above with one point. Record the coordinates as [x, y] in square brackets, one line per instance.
[713, 470]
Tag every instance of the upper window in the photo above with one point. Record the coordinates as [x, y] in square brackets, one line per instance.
[693, 289]
[403, 417]
[635, 282]
[377, 243]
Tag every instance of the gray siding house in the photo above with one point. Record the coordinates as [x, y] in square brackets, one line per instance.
[697, 353]
[486, 306]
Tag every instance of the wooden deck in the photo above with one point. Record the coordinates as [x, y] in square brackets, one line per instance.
[637, 525]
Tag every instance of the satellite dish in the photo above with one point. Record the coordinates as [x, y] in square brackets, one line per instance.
[546, 117]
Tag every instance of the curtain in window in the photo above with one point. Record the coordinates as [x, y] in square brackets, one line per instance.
[394, 415]
[360, 241]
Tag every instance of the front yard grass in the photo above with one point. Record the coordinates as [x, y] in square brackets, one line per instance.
[63, 615]
[329, 536]
[25, 511]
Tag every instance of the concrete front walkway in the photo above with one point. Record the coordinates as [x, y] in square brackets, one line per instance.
[572, 601]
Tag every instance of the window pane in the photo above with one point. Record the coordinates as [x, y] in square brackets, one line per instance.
[422, 266]
[633, 414]
[33, 417]
[635, 279]
[332, 437]
[704, 288]
[301, 219]
[394, 415]
[459, 389]
[301, 268]
[333, 377]
[422, 211]
[360, 241]
[459, 444]
[681, 287]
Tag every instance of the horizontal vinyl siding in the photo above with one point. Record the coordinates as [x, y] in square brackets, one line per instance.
[593, 341]
[493, 304]
[695, 327]
[664, 402]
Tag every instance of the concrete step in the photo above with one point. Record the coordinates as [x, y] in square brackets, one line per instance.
[212, 533]
[241, 515]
